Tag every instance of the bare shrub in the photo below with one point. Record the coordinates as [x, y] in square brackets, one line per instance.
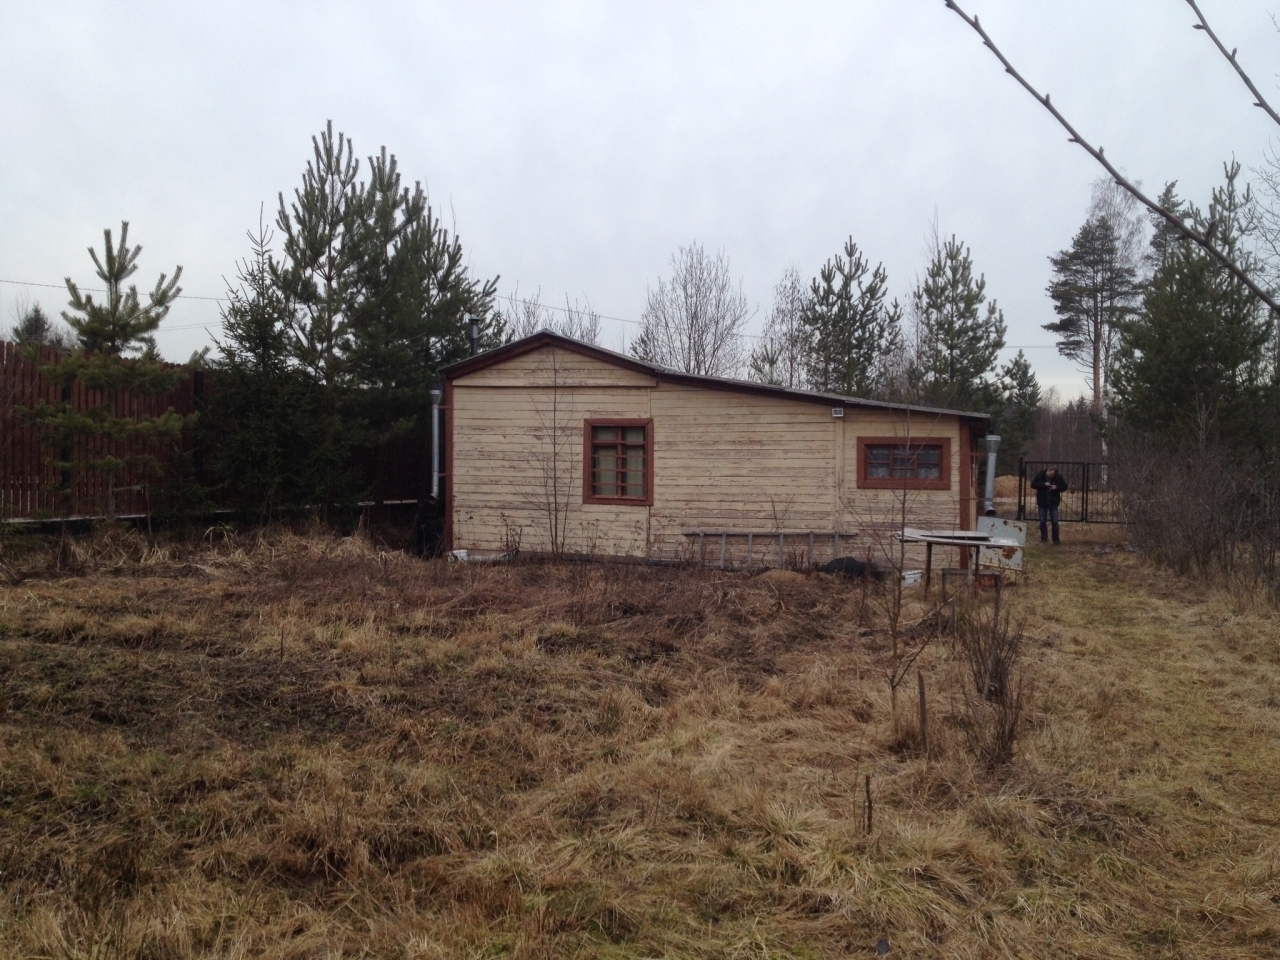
[1203, 510]
[995, 690]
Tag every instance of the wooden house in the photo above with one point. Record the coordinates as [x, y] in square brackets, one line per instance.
[556, 446]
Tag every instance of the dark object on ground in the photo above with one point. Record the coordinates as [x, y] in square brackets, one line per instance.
[853, 567]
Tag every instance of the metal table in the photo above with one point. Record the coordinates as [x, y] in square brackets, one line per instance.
[972, 539]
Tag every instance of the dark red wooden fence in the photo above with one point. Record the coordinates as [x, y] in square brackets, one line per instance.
[31, 486]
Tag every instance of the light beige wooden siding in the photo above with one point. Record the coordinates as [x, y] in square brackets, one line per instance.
[518, 455]
[547, 366]
[722, 461]
[876, 514]
[732, 461]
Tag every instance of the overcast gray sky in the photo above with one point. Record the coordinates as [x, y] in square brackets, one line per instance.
[577, 144]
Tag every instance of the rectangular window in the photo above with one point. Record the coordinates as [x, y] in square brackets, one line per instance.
[619, 462]
[891, 464]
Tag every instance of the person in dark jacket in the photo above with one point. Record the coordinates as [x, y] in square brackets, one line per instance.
[1049, 486]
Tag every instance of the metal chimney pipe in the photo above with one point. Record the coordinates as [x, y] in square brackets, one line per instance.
[993, 447]
[436, 394]
[475, 336]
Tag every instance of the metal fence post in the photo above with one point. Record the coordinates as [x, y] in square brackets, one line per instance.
[1022, 489]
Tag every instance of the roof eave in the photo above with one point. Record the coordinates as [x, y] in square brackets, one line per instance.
[543, 338]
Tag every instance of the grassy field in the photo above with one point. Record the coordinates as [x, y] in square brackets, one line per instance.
[289, 747]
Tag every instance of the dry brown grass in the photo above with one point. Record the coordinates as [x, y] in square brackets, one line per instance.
[300, 747]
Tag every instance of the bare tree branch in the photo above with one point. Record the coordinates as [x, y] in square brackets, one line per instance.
[693, 323]
[1259, 100]
[527, 315]
[1192, 234]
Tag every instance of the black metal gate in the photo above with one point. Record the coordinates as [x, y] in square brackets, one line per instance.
[1091, 496]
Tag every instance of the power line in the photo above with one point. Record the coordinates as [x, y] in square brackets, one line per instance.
[59, 286]
[498, 296]
[547, 306]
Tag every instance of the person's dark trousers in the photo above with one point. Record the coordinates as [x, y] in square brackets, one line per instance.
[1048, 513]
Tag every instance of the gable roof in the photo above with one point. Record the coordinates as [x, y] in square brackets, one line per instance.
[545, 338]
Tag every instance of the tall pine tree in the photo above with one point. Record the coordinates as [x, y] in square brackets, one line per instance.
[1094, 291]
[368, 299]
[313, 279]
[1195, 362]
[409, 298]
[958, 333]
[852, 330]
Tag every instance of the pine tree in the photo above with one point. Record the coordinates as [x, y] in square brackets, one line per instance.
[345, 331]
[265, 419]
[410, 300]
[1016, 423]
[314, 278]
[1195, 362]
[107, 331]
[1166, 242]
[1094, 291]
[851, 329]
[34, 328]
[957, 341]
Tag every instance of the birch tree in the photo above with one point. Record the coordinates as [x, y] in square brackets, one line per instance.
[525, 316]
[693, 322]
[783, 352]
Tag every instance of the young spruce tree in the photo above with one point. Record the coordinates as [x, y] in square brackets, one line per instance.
[265, 420]
[34, 328]
[1016, 422]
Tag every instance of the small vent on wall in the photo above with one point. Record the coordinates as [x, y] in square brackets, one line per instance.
[837, 411]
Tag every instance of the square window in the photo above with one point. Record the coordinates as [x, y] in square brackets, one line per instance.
[619, 462]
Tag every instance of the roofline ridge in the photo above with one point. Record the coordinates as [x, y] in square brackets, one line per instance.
[543, 337]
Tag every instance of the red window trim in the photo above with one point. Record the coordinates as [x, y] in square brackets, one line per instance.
[587, 496]
[899, 483]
